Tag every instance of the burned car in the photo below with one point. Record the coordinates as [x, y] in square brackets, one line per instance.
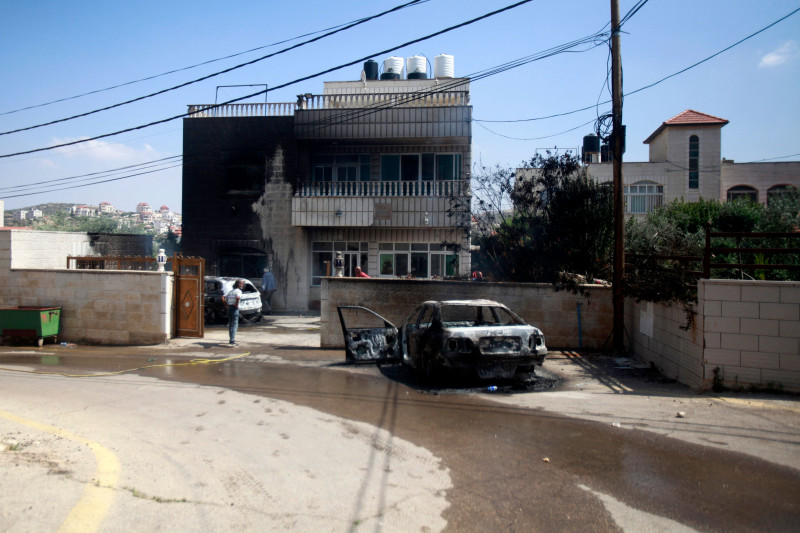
[217, 287]
[480, 336]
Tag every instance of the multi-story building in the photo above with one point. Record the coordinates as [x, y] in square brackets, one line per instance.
[106, 207]
[685, 163]
[369, 168]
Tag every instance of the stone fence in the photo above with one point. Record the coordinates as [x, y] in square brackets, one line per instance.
[568, 320]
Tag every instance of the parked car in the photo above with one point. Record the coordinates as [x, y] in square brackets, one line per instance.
[475, 335]
[217, 287]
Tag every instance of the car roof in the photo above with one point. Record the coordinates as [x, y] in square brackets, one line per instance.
[464, 302]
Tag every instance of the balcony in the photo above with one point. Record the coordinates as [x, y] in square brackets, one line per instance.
[377, 189]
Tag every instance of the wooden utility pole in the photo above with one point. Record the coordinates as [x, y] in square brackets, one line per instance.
[617, 136]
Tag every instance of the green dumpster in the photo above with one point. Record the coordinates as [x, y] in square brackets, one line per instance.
[30, 322]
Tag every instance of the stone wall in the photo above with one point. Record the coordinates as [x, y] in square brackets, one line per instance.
[97, 306]
[556, 313]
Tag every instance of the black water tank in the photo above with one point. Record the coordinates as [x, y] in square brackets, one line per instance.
[371, 69]
[390, 76]
[591, 143]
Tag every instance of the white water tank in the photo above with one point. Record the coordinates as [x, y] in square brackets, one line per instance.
[444, 66]
[417, 68]
[392, 68]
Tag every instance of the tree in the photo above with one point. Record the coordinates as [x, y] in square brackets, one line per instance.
[545, 222]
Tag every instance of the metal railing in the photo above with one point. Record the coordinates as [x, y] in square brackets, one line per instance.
[448, 188]
[332, 101]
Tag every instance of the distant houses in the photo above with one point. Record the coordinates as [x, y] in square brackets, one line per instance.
[158, 222]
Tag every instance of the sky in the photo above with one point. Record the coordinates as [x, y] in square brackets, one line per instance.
[52, 50]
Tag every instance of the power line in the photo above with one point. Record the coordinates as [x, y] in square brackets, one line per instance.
[327, 71]
[90, 184]
[536, 138]
[148, 78]
[646, 86]
[93, 175]
[185, 84]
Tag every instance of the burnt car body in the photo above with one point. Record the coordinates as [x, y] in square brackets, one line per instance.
[455, 335]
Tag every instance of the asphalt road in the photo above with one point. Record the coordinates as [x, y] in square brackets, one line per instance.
[283, 435]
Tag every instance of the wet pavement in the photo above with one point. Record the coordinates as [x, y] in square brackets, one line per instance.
[516, 462]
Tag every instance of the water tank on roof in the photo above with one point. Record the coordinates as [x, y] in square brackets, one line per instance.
[371, 69]
[392, 68]
[417, 68]
[591, 148]
[444, 66]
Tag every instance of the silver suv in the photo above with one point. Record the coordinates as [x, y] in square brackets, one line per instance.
[216, 288]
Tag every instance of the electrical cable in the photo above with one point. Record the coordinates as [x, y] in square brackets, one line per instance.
[93, 183]
[148, 78]
[650, 85]
[209, 76]
[311, 76]
[107, 172]
[192, 362]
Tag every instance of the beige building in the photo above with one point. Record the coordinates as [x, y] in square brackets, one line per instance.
[685, 163]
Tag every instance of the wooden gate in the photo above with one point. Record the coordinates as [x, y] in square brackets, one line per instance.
[188, 290]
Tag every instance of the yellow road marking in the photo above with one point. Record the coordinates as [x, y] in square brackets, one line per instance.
[756, 403]
[92, 507]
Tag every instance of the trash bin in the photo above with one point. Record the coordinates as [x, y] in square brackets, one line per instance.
[30, 322]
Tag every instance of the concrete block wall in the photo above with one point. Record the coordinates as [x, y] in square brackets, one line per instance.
[658, 334]
[45, 249]
[752, 332]
[555, 313]
[98, 306]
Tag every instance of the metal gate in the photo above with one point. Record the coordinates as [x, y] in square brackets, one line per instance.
[188, 290]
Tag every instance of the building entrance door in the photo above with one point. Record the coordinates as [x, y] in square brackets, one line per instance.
[188, 290]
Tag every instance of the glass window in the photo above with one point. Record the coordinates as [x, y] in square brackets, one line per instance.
[419, 265]
[323, 254]
[694, 162]
[409, 167]
[242, 263]
[445, 167]
[777, 191]
[390, 168]
[344, 167]
[401, 264]
[643, 197]
[428, 167]
[743, 191]
[387, 264]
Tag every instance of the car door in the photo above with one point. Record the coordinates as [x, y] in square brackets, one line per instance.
[418, 336]
[367, 335]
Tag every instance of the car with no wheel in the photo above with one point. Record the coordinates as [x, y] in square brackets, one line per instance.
[442, 337]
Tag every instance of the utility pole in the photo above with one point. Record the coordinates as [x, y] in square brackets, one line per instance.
[617, 136]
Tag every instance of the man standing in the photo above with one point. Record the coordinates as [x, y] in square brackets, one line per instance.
[268, 287]
[231, 301]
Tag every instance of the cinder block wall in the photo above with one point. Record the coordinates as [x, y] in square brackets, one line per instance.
[45, 249]
[555, 313]
[752, 332]
[657, 334]
[98, 306]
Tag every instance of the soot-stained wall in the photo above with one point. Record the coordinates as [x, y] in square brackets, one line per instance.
[227, 164]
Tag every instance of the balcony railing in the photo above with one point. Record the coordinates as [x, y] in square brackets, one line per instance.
[333, 101]
[452, 188]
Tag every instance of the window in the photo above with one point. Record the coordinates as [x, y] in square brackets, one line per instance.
[355, 254]
[348, 167]
[414, 167]
[242, 263]
[777, 191]
[742, 191]
[643, 197]
[694, 162]
[419, 260]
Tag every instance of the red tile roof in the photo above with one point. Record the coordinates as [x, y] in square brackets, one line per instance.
[690, 117]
